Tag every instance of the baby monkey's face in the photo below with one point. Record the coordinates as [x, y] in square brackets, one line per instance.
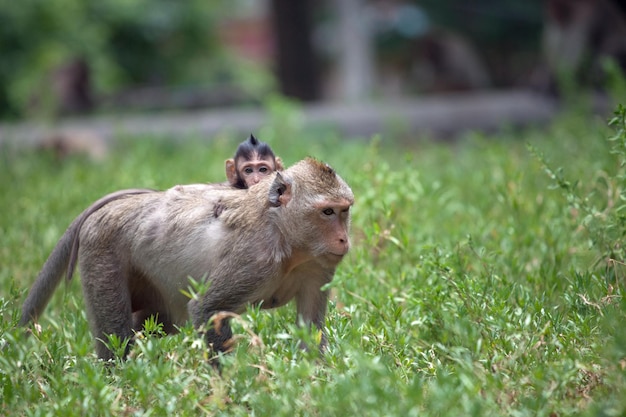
[253, 170]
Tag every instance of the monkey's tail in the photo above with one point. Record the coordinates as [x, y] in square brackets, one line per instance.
[49, 277]
[63, 258]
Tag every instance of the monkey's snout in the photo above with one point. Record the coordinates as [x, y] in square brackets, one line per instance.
[343, 246]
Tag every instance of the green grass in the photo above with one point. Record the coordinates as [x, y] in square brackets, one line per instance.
[477, 285]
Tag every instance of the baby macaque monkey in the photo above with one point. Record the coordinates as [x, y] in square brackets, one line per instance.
[253, 160]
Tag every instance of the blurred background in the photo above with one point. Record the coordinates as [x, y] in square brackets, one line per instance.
[69, 58]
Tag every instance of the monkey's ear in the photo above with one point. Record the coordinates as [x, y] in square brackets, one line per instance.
[231, 172]
[278, 164]
[280, 191]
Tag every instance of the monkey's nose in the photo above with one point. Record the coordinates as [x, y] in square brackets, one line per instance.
[344, 245]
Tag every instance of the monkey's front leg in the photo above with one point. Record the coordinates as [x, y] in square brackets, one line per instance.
[311, 304]
[204, 313]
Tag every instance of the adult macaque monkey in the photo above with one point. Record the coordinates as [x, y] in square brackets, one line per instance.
[253, 160]
[279, 240]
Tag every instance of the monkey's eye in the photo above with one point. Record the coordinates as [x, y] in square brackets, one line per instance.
[263, 170]
[328, 211]
[248, 170]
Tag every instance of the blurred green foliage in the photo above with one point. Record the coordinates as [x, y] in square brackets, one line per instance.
[124, 42]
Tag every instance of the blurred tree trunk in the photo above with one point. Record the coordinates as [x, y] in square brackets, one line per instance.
[296, 63]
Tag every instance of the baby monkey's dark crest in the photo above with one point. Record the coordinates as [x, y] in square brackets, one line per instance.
[251, 146]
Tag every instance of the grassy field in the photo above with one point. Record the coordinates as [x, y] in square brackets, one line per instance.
[483, 281]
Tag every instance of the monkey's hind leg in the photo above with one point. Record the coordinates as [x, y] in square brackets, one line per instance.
[108, 301]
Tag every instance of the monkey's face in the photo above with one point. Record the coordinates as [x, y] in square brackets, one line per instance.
[312, 205]
[253, 170]
[334, 225]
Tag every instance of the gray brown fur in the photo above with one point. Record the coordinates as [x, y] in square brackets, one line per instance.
[63, 258]
[269, 244]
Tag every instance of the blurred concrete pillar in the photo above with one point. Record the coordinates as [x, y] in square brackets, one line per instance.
[356, 56]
